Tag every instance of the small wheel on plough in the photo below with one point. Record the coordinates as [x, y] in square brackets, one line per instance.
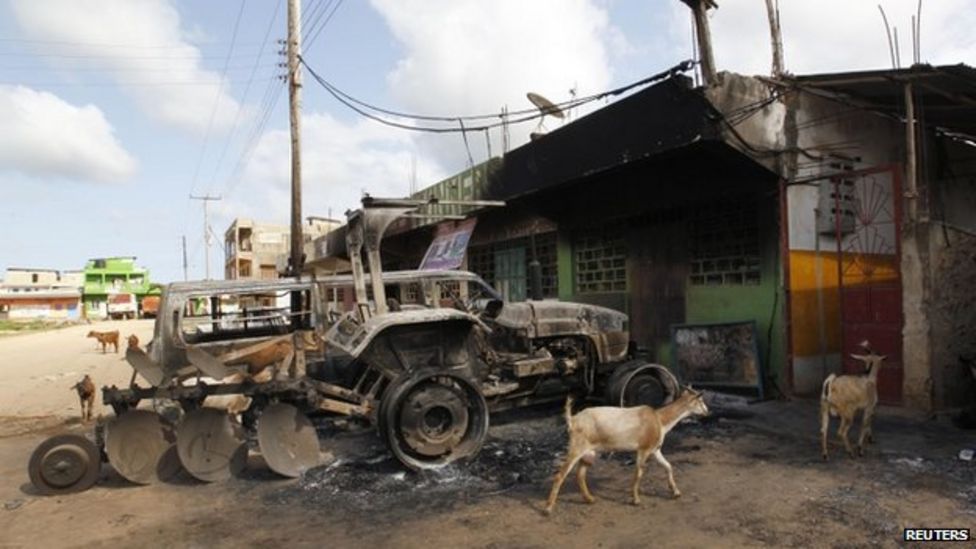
[63, 464]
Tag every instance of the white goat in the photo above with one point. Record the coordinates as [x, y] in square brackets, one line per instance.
[845, 395]
[608, 428]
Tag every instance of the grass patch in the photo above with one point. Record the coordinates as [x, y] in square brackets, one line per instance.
[33, 325]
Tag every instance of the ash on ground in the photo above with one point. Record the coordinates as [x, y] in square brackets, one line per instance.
[522, 452]
[365, 476]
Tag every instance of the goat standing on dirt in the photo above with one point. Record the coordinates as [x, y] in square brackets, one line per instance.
[608, 428]
[845, 395]
[105, 339]
[86, 393]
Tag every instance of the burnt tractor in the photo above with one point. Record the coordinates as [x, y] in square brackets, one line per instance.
[423, 356]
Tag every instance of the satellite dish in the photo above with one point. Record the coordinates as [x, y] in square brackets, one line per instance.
[545, 106]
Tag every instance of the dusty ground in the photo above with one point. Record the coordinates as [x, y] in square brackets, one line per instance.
[751, 476]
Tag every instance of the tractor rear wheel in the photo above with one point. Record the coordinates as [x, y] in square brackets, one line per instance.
[429, 418]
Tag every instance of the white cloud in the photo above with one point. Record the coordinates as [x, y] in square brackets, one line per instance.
[44, 136]
[339, 161]
[156, 54]
[832, 35]
[473, 56]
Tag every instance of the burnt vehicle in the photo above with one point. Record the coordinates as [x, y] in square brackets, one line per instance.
[423, 356]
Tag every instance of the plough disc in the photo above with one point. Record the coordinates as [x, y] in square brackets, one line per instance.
[138, 444]
[288, 440]
[211, 445]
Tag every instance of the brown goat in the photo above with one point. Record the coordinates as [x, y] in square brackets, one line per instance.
[608, 428]
[86, 394]
[844, 396]
[105, 339]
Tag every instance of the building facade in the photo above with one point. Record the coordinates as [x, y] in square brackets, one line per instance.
[786, 204]
[109, 280]
[40, 294]
[260, 251]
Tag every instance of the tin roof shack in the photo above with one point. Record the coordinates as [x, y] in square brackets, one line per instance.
[39, 294]
[879, 239]
[640, 206]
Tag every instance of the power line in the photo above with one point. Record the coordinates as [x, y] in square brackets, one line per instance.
[216, 103]
[316, 32]
[247, 89]
[529, 114]
[134, 84]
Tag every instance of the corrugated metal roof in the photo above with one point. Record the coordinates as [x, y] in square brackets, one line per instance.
[945, 95]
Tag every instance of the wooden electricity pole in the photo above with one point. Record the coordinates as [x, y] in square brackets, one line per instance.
[776, 36]
[294, 109]
[206, 228]
[185, 278]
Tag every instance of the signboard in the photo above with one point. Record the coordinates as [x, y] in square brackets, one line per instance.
[447, 249]
[718, 355]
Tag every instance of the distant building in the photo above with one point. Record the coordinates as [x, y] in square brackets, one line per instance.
[108, 280]
[27, 293]
[260, 251]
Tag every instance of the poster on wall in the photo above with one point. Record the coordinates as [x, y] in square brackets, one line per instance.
[448, 247]
[718, 355]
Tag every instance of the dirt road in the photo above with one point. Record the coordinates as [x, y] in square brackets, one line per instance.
[751, 476]
[38, 369]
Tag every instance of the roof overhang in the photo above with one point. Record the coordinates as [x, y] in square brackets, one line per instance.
[945, 95]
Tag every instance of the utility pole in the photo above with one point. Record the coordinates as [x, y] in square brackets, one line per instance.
[294, 112]
[699, 10]
[185, 277]
[206, 227]
[776, 36]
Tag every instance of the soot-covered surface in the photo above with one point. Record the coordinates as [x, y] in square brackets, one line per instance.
[521, 453]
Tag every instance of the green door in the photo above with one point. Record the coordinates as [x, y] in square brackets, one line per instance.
[510, 273]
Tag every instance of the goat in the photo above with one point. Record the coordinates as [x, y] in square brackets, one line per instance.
[609, 428]
[845, 395]
[86, 394]
[105, 339]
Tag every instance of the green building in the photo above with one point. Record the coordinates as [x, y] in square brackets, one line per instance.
[108, 280]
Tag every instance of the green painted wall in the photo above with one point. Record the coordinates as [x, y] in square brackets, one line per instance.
[763, 303]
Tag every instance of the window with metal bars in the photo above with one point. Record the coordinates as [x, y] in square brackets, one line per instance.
[724, 243]
[486, 259]
[601, 262]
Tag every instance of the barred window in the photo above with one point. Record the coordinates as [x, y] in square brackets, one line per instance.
[492, 262]
[725, 243]
[601, 263]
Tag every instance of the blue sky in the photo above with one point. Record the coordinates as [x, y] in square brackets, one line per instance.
[116, 110]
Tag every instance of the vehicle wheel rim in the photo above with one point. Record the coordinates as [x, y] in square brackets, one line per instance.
[64, 466]
[64, 463]
[644, 389]
[432, 419]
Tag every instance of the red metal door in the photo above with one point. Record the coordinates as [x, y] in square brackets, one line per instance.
[870, 267]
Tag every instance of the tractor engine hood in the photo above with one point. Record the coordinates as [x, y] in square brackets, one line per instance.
[556, 318]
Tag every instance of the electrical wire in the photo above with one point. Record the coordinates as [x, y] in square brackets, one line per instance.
[216, 103]
[247, 89]
[529, 114]
[311, 40]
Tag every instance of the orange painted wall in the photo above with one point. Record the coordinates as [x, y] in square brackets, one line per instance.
[857, 270]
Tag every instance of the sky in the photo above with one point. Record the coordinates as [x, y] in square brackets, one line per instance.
[114, 112]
